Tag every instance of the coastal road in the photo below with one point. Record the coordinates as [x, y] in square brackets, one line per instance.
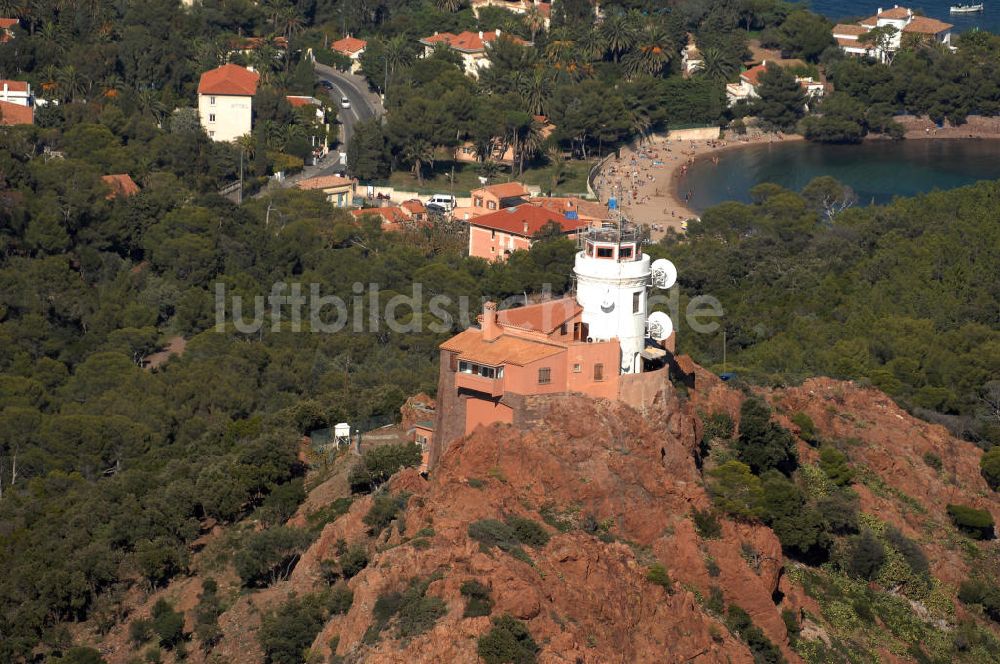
[364, 103]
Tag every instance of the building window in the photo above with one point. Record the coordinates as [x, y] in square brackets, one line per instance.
[478, 202]
[636, 302]
[562, 329]
[491, 205]
[625, 252]
[493, 234]
[453, 362]
[605, 252]
[577, 368]
[544, 376]
[211, 133]
[211, 100]
[598, 372]
[211, 117]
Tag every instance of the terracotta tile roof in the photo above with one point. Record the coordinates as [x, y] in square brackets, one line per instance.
[121, 184]
[526, 220]
[544, 8]
[505, 349]
[543, 317]
[505, 190]
[413, 206]
[469, 42]
[300, 100]
[349, 45]
[390, 215]
[15, 114]
[752, 75]
[848, 29]
[585, 209]
[895, 13]
[229, 79]
[14, 86]
[8, 23]
[923, 25]
[324, 182]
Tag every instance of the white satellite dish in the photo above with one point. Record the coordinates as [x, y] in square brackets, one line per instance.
[659, 326]
[608, 303]
[664, 273]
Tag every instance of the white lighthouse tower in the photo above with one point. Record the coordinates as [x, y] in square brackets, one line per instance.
[612, 282]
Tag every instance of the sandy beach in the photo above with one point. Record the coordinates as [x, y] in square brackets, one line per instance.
[648, 178]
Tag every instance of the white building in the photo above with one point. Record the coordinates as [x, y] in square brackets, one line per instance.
[905, 23]
[351, 47]
[15, 92]
[472, 47]
[746, 88]
[225, 101]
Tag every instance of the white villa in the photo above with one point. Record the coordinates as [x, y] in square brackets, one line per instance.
[353, 48]
[746, 88]
[225, 101]
[470, 45]
[15, 92]
[905, 22]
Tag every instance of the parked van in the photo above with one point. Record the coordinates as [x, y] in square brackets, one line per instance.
[446, 201]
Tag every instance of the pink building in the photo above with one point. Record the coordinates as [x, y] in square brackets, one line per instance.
[495, 236]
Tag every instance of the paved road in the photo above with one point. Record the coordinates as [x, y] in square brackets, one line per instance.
[364, 104]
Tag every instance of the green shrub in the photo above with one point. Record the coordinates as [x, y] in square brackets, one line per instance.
[763, 445]
[985, 594]
[833, 463]
[341, 599]
[977, 524]
[763, 650]
[715, 602]
[160, 559]
[528, 531]
[353, 561]
[736, 491]
[282, 502]
[167, 623]
[380, 463]
[79, 655]
[934, 461]
[807, 430]
[206, 616]
[508, 641]
[140, 631]
[384, 509]
[415, 612]
[657, 573]
[328, 514]
[706, 523]
[712, 567]
[509, 536]
[792, 625]
[718, 425]
[866, 556]
[910, 550]
[287, 632]
[478, 601]
[270, 555]
[989, 466]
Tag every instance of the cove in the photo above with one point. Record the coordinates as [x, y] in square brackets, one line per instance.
[877, 170]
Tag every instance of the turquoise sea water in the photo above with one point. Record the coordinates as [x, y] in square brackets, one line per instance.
[989, 19]
[876, 170]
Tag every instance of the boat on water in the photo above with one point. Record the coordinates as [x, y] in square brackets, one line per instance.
[966, 9]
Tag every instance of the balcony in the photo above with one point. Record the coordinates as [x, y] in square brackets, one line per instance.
[490, 386]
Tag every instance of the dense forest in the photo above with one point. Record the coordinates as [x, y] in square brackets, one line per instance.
[903, 296]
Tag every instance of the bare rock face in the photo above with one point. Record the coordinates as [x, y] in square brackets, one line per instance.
[624, 484]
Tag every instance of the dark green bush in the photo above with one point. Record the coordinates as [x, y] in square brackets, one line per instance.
[509, 536]
[866, 556]
[977, 524]
[717, 425]
[763, 650]
[657, 573]
[415, 612]
[507, 642]
[167, 623]
[715, 602]
[807, 430]
[282, 502]
[270, 555]
[206, 616]
[989, 466]
[934, 461]
[833, 462]
[328, 514]
[762, 444]
[478, 601]
[380, 463]
[285, 633]
[528, 531]
[341, 599]
[140, 631]
[353, 561]
[706, 523]
[910, 550]
[384, 509]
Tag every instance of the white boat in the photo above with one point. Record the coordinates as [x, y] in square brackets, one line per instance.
[966, 9]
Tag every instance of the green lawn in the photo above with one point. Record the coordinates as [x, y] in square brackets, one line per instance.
[466, 178]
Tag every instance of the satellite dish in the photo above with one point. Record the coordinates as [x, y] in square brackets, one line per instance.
[608, 303]
[664, 273]
[659, 326]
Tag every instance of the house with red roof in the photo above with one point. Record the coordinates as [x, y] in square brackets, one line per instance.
[497, 235]
[121, 185]
[7, 26]
[471, 46]
[15, 92]
[746, 88]
[225, 101]
[339, 191]
[905, 24]
[393, 218]
[351, 47]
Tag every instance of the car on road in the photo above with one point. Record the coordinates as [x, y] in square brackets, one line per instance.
[446, 201]
[345, 102]
[436, 210]
[326, 84]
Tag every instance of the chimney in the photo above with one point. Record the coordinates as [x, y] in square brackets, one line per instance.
[498, 33]
[491, 330]
[480, 34]
[879, 11]
[525, 228]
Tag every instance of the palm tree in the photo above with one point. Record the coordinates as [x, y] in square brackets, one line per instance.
[71, 83]
[619, 33]
[418, 153]
[396, 54]
[290, 23]
[149, 103]
[248, 147]
[560, 46]
[535, 90]
[448, 5]
[592, 45]
[650, 54]
[717, 64]
[534, 21]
